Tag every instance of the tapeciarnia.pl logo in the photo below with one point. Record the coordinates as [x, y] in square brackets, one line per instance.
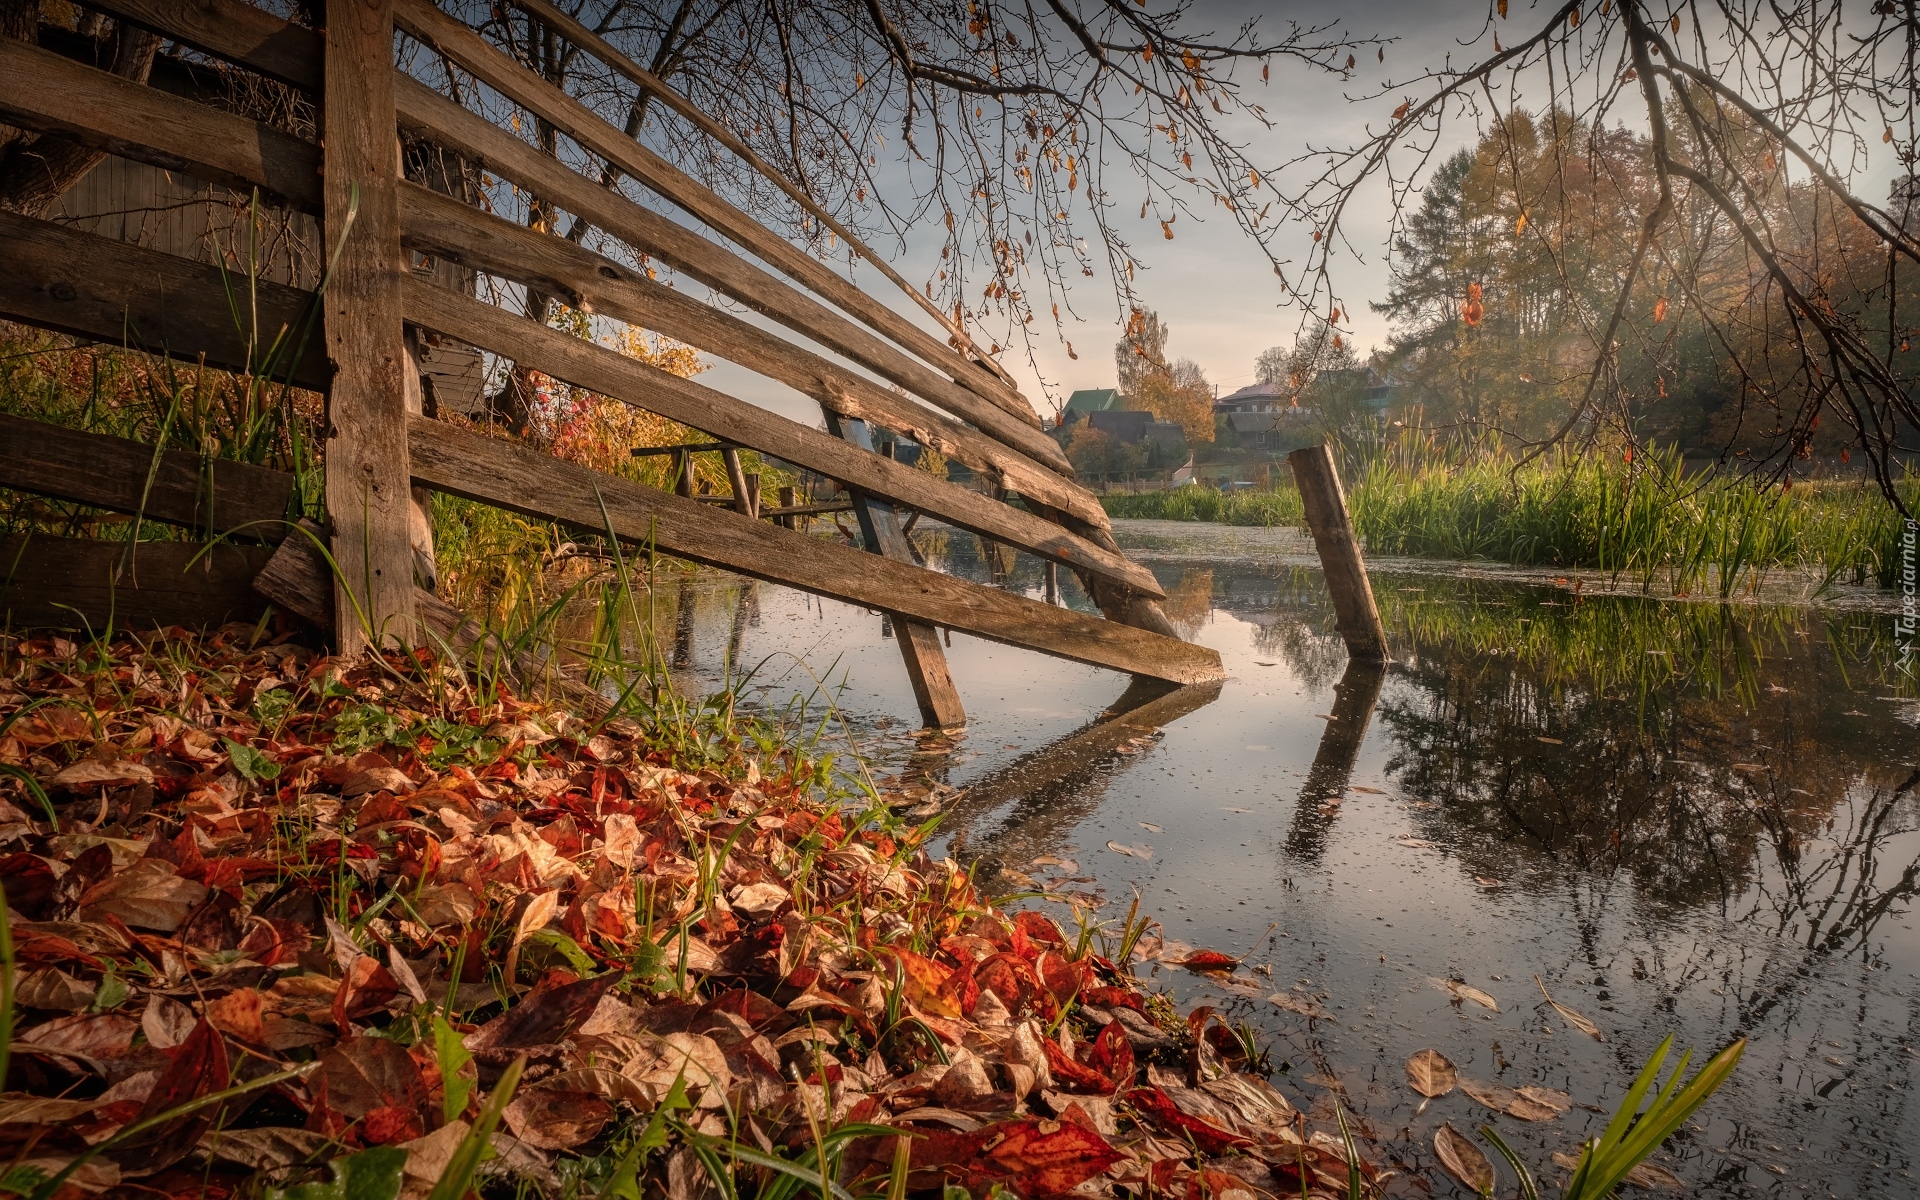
[1904, 625]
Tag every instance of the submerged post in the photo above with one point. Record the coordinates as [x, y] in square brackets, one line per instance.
[1355, 613]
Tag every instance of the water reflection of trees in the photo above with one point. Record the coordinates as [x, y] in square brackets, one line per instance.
[1734, 772]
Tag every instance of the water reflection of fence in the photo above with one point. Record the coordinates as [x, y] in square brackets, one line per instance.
[383, 446]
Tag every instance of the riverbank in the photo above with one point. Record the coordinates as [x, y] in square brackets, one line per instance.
[272, 911]
[1644, 521]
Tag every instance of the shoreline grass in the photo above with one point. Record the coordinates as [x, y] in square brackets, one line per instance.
[1645, 521]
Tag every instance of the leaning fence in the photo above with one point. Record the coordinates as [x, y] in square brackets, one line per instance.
[372, 320]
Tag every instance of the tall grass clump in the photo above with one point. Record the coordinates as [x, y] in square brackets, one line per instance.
[1640, 518]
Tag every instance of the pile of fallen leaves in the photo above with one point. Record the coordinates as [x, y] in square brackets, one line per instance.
[383, 921]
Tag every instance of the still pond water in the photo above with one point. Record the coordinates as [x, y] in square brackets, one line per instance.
[1679, 817]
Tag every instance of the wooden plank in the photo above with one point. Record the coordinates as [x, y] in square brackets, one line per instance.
[613, 374]
[114, 292]
[77, 583]
[920, 649]
[678, 246]
[982, 375]
[438, 224]
[126, 476]
[526, 481]
[43, 91]
[231, 30]
[1354, 611]
[369, 502]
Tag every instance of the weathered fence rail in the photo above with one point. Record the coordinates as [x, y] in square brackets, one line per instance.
[356, 349]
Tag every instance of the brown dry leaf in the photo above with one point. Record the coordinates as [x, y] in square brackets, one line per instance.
[1654, 1178]
[551, 1119]
[147, 895]
[1463, 1160]
[758, 899]
[1131, 851]
[52, 989]
[539, 911]
[1431, 1073]
[1559, 1102]
[1463, 991]
[1492, 1095]
[265, 1149]
[1569, 1015]
[451, 904]
[88, 774]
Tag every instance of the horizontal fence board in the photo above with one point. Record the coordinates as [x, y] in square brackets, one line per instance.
[112, 473]
[526, 481]
[444, 226]
[687, 251]
[75, 583]
[979, 373]
[232, 30]
[689, 402]
[114, 292]
[452, 37]
[42, 91]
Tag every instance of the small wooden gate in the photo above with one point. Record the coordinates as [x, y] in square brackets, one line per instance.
[381, 448]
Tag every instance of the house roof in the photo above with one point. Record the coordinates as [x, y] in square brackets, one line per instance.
[1092, 400]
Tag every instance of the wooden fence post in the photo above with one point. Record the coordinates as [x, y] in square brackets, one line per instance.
[920, 648]
[368, 493]
[1326, 507]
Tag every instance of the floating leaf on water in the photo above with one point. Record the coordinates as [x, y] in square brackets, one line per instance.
[1463, 1160]
[1236, 810]
[1416, 843]
[1369, 791]
[1492, 1095]
[1131, 851]
[1550, 741]
[1487, 881]
[1547, 1098]
[1464, 991]
[1569, 1015]
[1304, 1006]
[1430, 1073]
[1654, 1179]
[1207, 960]
[1150, 827]
[1049, 860]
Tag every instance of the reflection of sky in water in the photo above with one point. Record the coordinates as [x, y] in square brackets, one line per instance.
[1710, 844]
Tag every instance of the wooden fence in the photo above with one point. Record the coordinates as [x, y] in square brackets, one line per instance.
[873, 366]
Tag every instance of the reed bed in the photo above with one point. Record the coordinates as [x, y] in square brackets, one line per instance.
[1643, 519]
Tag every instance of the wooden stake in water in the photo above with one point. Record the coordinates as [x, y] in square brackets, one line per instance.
[1355, 613]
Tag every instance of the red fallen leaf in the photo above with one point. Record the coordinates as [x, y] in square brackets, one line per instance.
[359, 1077]
[1040, 1159]
[1064, 979]
[386, 1126]
[238, 1014]
[1041, 929]
[1208, 960]
[198, 1068]
[1073, 1075]
[1112, 1055]
[924, 980]
[49, 948]
[1112, 997]
[545, 1017]
[1154, 1103]
[29, 881]
[366, 989]
[1012, 979]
